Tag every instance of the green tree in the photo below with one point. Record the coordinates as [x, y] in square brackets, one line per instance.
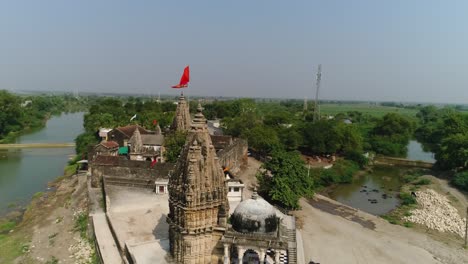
[453, 152]
[10, 113]
[391, 135]
[174, 144]
[262, 139]
[285, 179]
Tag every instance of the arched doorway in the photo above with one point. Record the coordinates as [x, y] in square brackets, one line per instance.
[250, 257]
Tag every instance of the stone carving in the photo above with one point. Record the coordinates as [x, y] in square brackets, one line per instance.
[197, 214]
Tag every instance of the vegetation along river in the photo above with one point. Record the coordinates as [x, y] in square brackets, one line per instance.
[24, 172]
[377, 192]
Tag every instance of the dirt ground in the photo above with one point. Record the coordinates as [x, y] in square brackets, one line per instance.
[49, 225]
[334, 233]
[247, 176]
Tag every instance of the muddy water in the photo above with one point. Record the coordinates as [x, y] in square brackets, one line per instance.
[23, 172]
[375, 192]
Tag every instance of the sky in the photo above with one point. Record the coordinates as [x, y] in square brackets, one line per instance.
[403, 51]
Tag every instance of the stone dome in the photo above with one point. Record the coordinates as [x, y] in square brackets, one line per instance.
[254, 215]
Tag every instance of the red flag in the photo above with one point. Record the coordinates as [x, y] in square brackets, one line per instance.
[155, 122]
[154, 162]
[184, 80]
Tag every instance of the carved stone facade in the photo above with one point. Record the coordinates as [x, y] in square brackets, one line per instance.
[198, 204]
[181, 120]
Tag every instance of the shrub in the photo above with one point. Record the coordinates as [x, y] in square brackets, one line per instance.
[357, 157]
[407, 199]
[410, 177]
[461, 180]
[423, 182]
[341, 172]
[408, 224]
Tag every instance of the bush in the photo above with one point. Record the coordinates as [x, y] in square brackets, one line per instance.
[423, 182]
[407, 199]
[408, 224]
[461, 180]
[358, 158]
[341, 172]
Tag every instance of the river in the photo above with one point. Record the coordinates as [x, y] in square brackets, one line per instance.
[24, 172]
[377, 192]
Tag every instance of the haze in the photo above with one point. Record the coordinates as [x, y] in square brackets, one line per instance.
[370, 50]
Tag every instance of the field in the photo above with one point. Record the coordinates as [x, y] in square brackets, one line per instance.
[374, 110]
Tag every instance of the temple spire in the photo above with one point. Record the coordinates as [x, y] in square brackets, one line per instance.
[181, 120]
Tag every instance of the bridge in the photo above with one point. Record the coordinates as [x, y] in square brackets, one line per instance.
[38, 145]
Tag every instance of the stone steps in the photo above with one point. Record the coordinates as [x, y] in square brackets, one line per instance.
[292, 246]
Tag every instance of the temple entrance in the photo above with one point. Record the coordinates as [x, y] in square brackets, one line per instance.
[250, 257]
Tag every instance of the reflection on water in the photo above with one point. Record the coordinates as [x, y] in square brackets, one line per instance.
[24, 172]
[375, 192]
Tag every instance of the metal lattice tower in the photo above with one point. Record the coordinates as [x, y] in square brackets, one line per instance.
[317, 106]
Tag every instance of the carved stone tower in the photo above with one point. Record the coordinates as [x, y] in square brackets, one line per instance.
[198, 202]
[181, 120]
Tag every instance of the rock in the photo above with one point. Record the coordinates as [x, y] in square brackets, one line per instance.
[437, 213]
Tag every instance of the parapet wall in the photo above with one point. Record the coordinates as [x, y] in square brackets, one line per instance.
[129, 169]
[234, 156]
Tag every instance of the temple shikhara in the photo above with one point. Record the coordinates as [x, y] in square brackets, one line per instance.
[198, 204]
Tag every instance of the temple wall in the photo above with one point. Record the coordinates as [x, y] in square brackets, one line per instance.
[234, 156]
[129, 169]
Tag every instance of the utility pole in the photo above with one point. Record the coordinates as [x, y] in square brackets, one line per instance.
[317, 106]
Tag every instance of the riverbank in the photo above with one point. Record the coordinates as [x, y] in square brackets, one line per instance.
[40, 124]
[437, 209]
[53, 227]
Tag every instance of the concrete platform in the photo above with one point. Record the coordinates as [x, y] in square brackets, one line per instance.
[138, 218]
[149, 252]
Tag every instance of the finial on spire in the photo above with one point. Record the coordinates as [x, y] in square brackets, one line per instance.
[255, 194]
[199, 107]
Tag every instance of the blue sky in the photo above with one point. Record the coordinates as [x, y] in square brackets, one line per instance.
[370, 50]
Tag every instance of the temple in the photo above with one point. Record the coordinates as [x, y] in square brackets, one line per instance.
[198, 204]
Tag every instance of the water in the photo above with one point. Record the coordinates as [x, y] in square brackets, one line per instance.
[416, 152]
[372, 186]
[23, 172]
[383, 180]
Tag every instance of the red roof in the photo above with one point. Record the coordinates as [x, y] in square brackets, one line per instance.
[110, 144]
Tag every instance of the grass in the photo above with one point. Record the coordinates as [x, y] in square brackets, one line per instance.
[408, 224]
[423, 182]
[373, 110]
[37, 195]
[395, 217]
[7, 226]
[81, 224]
[11, 247]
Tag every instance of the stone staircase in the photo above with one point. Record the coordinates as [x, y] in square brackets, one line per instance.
[133, 182]
[292, 246]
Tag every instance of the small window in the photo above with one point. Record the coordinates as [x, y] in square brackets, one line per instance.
[230, 189]
[236, 189]
[161, 188]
